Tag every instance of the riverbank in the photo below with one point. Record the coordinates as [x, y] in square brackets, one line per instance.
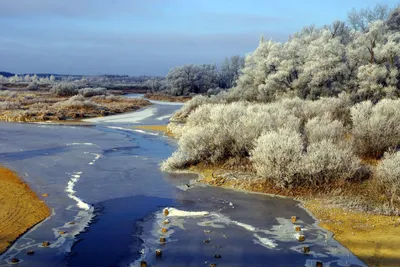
[372, 238]
[39, 106]
[20, 209]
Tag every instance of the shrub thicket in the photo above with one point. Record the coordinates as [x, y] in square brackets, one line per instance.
[388, 174]
[291, 141]
[376, 128]
[65, 89]
[89, 92]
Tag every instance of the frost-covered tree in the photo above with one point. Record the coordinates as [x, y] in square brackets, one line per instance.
[15, 79]
[3, 79]
[230, 71]
[27, 78]
[359, 20]
[188, 79]
[155, 85]
[393, 22]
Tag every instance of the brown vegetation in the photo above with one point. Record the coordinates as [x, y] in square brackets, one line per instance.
[167, 98]
[33, 106]
[20, 208]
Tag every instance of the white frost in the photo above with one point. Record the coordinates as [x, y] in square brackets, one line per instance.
[265, 242]
[181, 213]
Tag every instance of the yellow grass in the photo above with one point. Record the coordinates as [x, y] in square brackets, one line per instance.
[157, 128]
[20, 208]
[375, 239]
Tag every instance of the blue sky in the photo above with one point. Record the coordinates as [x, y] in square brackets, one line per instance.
[148, 37]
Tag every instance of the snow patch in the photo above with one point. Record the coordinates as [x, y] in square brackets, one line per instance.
[264, 241]
[70, 189]
[81, 144]
[173, 212]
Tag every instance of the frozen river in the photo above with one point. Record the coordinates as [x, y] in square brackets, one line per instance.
[107, 194]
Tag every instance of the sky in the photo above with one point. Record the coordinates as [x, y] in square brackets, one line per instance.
[149, 37]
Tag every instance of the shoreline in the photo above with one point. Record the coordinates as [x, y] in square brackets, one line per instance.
[21, 208]
[373, 238]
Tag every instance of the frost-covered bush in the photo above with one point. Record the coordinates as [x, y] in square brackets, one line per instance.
[194, 103]
[337, 107]
[65, 89]
[75, 102]
[324, 127]
[326, 161]
[376, 128]
[277, 155]
[388, 174]
[195, 145]
[33, 86]
[8, 105]
[178, 160]
[222, 131]
[89, 92]
[8, 94]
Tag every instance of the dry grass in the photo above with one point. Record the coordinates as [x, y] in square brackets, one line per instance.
[167, 98]
[28, 106]
[375, 239]
[20, 208]
[157, 128]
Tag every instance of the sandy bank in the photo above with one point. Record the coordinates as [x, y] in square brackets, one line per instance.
[157, 128]
[374, 239]
[20, 208]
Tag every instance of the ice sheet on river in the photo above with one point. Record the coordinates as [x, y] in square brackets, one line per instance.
[132, 117]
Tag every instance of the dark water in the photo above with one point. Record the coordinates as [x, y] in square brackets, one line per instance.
[106, 180]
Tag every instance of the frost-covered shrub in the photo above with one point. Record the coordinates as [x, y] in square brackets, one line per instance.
[75, 102]
[178, 160]
[194, 103]
[33, 86]
[277, 155]
[65, 89]
[229, 130]
[323, 127]
[195, 145]
[388, 174]
[8, 94]
[338, 107]
[376, 128]
[190, 106]
[89, 92]
[8, 105]
[326, 161]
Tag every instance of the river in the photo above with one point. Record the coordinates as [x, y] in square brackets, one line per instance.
[107, 194]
